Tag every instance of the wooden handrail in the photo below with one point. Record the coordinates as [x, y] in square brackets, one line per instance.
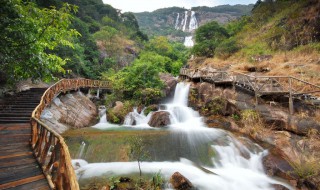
[48, 146]
[296, 82]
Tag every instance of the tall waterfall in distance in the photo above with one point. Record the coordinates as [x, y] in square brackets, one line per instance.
[177, 22]
[185, 20]
[193, 22]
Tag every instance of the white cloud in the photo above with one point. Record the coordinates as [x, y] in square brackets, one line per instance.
[151, 5]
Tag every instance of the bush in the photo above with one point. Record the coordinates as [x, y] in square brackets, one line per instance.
[226, 48]
[208, 37]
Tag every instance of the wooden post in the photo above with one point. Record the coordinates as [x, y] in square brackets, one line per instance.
[290, 97]
[255, 91]
[98, 93]
[234, 83]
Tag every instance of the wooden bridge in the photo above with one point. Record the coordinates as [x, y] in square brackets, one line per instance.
[259, 86]
[35, 156]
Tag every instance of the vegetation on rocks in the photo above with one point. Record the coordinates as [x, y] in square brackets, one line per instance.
[140, 82]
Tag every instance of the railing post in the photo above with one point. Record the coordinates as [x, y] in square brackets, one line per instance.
[290, 97]
[255, 91]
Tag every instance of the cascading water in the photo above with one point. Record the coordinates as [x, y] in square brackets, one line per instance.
[231, 166]
[81, 150]
[193, 22]
[185, 21]
[176, 26]
[188, 42]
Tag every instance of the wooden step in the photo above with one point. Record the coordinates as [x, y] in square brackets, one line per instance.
[30, 180]
[9, 121]
[10, 114]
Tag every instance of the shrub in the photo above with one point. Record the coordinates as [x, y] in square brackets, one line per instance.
[304, 164]
[226, 48]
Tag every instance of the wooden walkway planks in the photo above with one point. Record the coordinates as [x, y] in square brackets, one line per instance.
[19, 169]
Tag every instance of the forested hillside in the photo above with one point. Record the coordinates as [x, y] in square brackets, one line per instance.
[48, 39]
[54, 39]
[164, 21]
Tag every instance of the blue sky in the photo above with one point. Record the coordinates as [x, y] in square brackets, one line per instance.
[151, 5]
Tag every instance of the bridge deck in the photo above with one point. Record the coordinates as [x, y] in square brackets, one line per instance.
[18, 167]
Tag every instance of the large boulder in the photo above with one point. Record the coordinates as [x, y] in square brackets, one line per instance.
[118, 113]
[205, 91]
[73, 110]
[160, 119]
[169, 81]
[118, 107]
[180, 182]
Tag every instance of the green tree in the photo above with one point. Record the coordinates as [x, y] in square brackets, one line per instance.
[138, 151]
[208, 37]
[28, 35]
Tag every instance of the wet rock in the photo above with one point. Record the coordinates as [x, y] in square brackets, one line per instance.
[118, 107]
[180, 182]
[118, 113]
[205, 91]
[160, 119]
[153, 107]
[276, 165]
[218, 122]
[279, 187]
[170, 83]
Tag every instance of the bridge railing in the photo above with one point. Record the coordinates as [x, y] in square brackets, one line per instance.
[261, 85]
[277, 84]
[48, 146]
[205, 74]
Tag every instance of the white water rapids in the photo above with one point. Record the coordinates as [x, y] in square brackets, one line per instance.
[234, 166]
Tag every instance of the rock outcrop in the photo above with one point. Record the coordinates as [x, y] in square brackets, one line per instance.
[118, 113]
[294, 138]
[180, 182]
[170, 83]
[72, 110]
[160, 119]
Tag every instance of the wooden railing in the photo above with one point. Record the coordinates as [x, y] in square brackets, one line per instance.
[49, 147]
[205, 74]
[260, 85]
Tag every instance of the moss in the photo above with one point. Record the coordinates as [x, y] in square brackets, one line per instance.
[151, 108]
[113, 117]
[214, 107]
[119, 116]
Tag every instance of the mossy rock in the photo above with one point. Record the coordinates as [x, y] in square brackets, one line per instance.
[153, 107]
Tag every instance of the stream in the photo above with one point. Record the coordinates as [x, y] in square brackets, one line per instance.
[210, 158]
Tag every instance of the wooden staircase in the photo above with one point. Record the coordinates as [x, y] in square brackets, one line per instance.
[18, 108]
[19, 168]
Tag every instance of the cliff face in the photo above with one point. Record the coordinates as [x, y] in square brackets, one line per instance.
[177, 23]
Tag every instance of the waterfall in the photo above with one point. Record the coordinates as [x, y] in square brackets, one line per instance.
[185, 21]
[232, 165]
[188, 42]
[193, 22]
[177, 22]
[81, 150]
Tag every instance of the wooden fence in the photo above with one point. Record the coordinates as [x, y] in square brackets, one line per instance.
[259, 85]
[48, 146]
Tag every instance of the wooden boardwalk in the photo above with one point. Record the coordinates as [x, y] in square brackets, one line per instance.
[19, 169]
[259, 86]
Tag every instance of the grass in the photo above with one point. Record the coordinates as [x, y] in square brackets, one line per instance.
[304, 164]
[252, 122]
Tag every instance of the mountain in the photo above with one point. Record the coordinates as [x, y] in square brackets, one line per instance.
[177, 23]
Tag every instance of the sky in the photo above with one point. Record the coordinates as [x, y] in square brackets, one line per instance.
[151, 5]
